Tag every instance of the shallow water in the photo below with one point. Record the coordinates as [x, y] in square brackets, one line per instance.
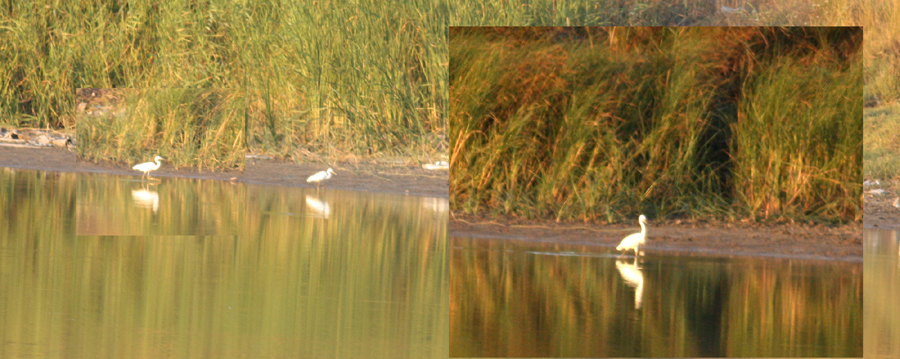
[882, 293]
[194, 268]
[526, 299]
[120, 205]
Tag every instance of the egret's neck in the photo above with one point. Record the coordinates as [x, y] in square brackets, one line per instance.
[643, 227]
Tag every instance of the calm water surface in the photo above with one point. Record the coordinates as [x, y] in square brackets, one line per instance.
[530, 299]
[882, 297]
[97, 266]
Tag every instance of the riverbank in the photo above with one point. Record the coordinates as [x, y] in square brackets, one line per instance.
[401, 179]
[878, 207]
[711, 239]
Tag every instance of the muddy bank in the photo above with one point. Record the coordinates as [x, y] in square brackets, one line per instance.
[801, 241]
[879, 210]
[399, 179]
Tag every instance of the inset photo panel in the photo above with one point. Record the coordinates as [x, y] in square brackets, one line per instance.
[656, 192]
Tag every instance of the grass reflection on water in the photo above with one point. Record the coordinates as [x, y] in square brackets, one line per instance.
[882, 283]
[367, 280]
[513, 298]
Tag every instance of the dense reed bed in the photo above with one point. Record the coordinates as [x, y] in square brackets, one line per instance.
[877, 17]
[324, 80]
[201, 128]
[882, 139]
[604, 123]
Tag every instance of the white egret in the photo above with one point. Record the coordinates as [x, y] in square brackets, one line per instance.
[319, 177]
[146, 167]
[634, 241]
[439, 165]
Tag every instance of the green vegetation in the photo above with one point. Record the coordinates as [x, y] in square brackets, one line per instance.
[323, 80]
[603, 123]
[877, 17]
[797, 142]
[882, 142]
[647, 13]
[192, 127]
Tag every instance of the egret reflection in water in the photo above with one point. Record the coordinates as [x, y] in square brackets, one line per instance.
[146, 198]
[438, 205]
[321, 208]
[634, 278]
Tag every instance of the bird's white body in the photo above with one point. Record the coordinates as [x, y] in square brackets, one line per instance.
[634, 241]
[146, 167]
[439, 165]
[319, 177]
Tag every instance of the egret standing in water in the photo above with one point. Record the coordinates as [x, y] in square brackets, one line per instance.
[634, 241]
[319, 177]
[146, 167]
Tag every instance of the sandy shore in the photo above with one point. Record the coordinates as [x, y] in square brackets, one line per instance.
[879, 211]
[405, 180]
[801, 241]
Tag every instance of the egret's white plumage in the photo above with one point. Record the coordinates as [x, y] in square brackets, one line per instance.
[146, 167]
[439, 165]
[321, 176]
[634, 241]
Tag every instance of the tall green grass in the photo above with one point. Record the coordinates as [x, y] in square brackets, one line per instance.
[797, 143]
[331, 79]
[881, 158]
[324, 79]
[591, 123]
[201, 128]
[877, 17]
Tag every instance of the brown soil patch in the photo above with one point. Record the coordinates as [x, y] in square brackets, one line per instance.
[879, 212]
[400, 179]
[717, 239]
